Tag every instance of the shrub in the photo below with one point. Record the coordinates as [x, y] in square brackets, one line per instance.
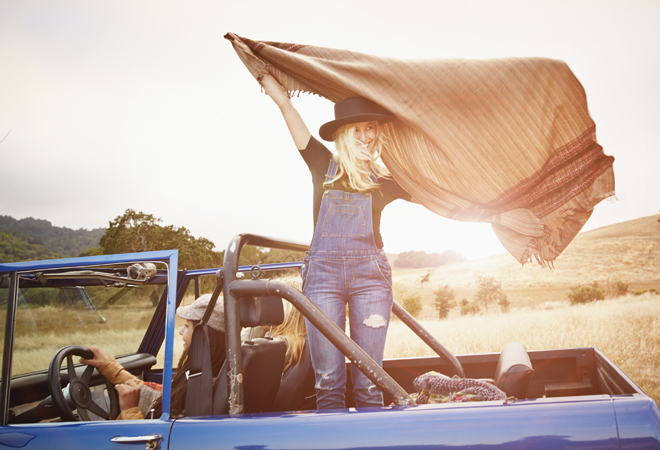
[617, 288]
[444, 301]
[586, 293]
[468, 308]
[644, 291]
[413, 304]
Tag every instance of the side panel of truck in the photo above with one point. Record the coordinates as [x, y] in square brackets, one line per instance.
[542, 424]
[638, 420]
[84, 435]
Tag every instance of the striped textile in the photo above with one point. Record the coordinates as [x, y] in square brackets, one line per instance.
[504, 141]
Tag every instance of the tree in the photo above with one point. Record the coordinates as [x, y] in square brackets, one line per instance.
[444, 301]
[60, 240]
[92, 251]
[490, 290]
[276, 255]
[140, 232]
[425, 278]
[17, 246]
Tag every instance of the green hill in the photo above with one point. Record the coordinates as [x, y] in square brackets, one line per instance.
[16, 247]
[62, 241]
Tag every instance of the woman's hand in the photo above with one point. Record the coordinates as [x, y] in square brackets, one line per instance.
[236, 40]
[129, 394]
[271, 86]
[99, 359]
[299, 131]
[275, 91]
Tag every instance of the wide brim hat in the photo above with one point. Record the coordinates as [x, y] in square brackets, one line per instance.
[195, 311]
[354, 110]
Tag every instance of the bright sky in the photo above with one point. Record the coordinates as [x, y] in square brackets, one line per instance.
[116, 104]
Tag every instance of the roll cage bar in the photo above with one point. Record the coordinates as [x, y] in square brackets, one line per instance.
[234, 288]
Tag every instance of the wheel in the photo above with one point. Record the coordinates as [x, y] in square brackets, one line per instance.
[77, 393]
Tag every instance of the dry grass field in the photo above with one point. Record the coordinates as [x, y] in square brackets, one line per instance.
[35, 346]
[627, 252]
[626, 329]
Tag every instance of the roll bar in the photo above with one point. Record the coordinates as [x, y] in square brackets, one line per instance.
[234, 288]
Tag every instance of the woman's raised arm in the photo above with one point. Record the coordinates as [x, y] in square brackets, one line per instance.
[294, 121]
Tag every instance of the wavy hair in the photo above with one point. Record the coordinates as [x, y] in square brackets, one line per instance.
[356, 161]
[293, 330]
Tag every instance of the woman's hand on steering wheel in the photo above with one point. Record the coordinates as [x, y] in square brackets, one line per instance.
[99, 359]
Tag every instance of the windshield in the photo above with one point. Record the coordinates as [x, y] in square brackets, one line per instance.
[64, 307]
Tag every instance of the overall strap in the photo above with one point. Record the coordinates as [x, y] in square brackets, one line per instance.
[332, 172]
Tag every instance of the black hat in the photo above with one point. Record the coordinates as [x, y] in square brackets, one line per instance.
[353, 110]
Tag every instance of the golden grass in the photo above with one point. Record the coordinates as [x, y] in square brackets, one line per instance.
[41, 332]
[627, 252]
[33, 351]
[626, 329]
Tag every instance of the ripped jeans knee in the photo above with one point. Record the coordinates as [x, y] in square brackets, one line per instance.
[375, 321]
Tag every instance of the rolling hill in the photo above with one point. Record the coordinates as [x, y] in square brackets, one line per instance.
[628, 252]
[58, 241]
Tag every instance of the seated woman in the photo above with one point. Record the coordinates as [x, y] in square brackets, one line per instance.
[293, 330]
[135, 397]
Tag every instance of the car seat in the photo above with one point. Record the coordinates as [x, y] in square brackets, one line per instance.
[263, 359]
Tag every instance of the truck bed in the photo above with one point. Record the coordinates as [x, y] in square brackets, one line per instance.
[557, 373]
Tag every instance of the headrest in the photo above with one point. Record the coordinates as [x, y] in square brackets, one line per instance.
[256, 311]
[514, 370]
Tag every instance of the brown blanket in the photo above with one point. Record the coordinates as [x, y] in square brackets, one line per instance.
[504, 141]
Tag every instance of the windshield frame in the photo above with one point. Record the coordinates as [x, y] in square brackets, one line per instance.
[12, 271]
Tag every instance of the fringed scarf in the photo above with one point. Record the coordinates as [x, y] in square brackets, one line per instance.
[504, 141]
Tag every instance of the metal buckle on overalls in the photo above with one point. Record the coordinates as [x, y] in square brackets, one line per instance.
[328, 186]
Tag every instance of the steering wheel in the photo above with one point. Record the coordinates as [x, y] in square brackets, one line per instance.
[77, 394]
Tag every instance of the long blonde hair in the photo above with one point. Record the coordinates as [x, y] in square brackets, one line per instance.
[293, 330]
[356, 161]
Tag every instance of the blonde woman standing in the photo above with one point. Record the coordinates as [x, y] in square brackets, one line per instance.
[345, 263]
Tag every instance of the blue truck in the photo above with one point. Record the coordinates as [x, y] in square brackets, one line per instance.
[572, 398]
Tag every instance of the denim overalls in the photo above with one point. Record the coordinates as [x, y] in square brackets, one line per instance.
[344, 266]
